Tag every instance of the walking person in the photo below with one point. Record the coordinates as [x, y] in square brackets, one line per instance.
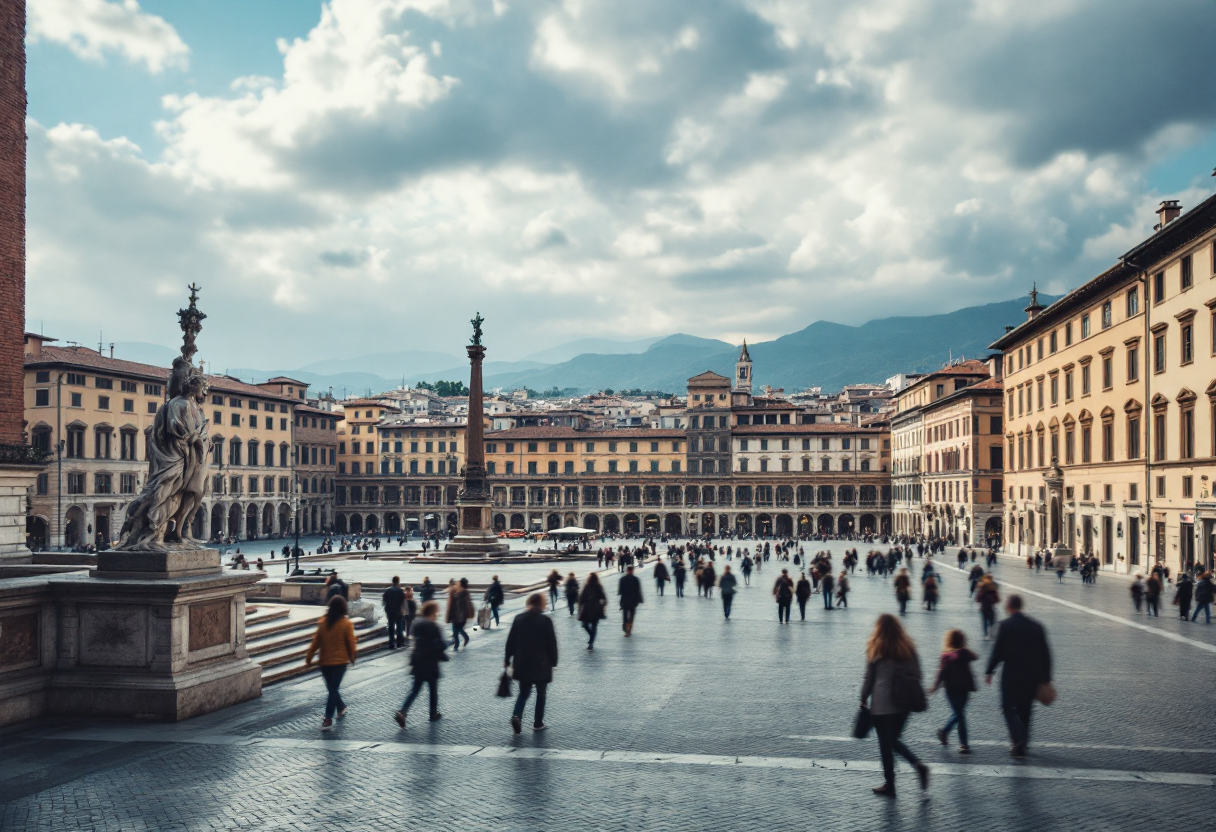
[746, 567]
[495, 597]
[592, 607]
[555, 580]
[892, 690]
[531, 653]
[334, 641]
[681, 574]
[1137, 590]
[460, 610]
[903, 590]
[409, 610]
[428, 652]
[1204, 594]
[827, 586]
[571, 587]
[783, 592]
[842, 589]
[988, 597]
[393, 600]
[729, 586]
[661, 577]
[955, 677]
[1152, 596]
[1184, 591]
[427, 590]
[630, 591]
[802, 592]
[1021, 644]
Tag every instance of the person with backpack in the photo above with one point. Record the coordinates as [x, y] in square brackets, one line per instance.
[592, 607]
[728, 585]
[988, 597]
[495, 597]
[334, 641]
[429, 646]
[460, 610]
[531, 653]
[393, 600]
[955, 677]
[892, 690]
[783, 592]
[802, 592]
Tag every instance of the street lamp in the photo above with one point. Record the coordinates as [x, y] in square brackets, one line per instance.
[295, 518]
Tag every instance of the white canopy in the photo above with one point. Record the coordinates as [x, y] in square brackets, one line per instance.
[571, 531]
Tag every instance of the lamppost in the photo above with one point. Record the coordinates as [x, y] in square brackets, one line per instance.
[295, 519]
[59, 492]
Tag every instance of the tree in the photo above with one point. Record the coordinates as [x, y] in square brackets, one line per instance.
[445, 388]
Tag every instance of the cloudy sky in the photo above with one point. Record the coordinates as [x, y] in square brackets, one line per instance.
[355, 176]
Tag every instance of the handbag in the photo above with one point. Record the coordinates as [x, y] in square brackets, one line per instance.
[862, 723]
[1045, 693]
[504, 686]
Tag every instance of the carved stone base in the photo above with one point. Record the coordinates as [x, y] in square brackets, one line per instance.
[175, 563]
[476, 538]
[164, 649]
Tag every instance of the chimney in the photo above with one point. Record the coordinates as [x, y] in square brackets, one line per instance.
[1033, 310]
[1167, 213]
[996, 366]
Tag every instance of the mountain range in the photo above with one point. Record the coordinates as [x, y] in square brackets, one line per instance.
[824, 354]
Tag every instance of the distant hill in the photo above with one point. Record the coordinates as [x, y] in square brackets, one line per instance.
[824, 354]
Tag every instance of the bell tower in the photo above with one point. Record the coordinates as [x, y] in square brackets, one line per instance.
[743, 371]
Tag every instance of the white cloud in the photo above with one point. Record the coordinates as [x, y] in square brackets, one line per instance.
[93, 28]
[615, 169]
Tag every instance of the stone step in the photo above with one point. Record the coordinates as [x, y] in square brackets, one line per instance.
[294, 645]
[371, 640]
[281, 625]
[261, 615]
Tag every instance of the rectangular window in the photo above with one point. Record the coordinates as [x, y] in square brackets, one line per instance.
[104, 384]
[1039, 391]
[654, 466]
[77, 399]
[844, 443]
[1085, 380]
[103, 484]
[1086, 436]
[1054, 340]
[1158, 287]
[76, 379]
[552, 467]
[1108, 372]
[1055, 390]
[589, 466]
[75, 483]
[126, 483]
[1068, 334]
[1187, 339]
[1186, 437]
[44, 377]
[633, 466]
[1159, 352]
[1133, 362]
[1159, 437]
[1133, 302]
[612, 467]
[675, 465]
[1161, 489]
[1106, 315]
[844, 464]
[1084, 326]
[1188, 273]
[633, 447]
[1108, 442]
[42, 398]
[236, 420]
[1133, 437]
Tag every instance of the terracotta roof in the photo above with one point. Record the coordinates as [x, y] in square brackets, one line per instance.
[286, 380]
[368, 403]
[708, 379]
[316, 411]
[584, 435]
[90, 359]
[824, 427]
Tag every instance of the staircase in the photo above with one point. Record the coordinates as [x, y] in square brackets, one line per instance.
[277, 637]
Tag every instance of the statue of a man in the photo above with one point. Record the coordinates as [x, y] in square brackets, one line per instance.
[177, 469]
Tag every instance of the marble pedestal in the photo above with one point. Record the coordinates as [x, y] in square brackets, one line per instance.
[475, 538]
[152, 636]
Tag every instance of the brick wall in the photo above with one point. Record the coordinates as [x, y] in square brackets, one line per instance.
[12, 217]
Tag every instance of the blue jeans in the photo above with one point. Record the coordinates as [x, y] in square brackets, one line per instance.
[396, 630]
[958, 715]
[827, 599]
[332, 674]
[457, 633]
[1207, 611]
[592, 627]
[494, 612]
[988, 618]
[727, 600]
[433, 684]
[525, 689]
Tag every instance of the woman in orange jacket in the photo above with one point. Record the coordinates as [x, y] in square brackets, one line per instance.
[335, 641]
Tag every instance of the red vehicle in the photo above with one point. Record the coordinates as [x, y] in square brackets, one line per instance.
[515, 534]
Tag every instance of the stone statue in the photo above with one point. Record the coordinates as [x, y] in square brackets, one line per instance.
[159, 518]
[477, 322]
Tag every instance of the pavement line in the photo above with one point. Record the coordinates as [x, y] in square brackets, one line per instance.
[1211, 648]
[999, 744]
[491, 752]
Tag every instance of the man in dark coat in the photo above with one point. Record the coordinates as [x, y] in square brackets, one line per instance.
[680, 572]
[495, 598]
[630, 590]
[394, 601]
[660, 576]
[1021, 644]
[532, 645]
[424, 661]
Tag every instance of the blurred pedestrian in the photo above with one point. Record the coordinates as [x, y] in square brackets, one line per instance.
[903, 590]
[783, 592]
[571, 587]
[1021, 645]
[495, 597]
[531, 653]
[955, 677]
[334, 641]
[393, 600]
[460, 610]
[729, 586]
[428, 652]
[630, 592]
[802, 592]
[892, 690]
[592, 607]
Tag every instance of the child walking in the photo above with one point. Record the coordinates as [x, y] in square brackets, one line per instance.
[954, 675]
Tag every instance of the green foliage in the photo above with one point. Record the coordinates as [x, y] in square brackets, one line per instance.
[444, 388]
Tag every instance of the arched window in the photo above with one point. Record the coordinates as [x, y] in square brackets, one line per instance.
[234, 452]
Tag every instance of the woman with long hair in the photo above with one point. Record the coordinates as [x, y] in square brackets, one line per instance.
[892, 690]
[334, 639]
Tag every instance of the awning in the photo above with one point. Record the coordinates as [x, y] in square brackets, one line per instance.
[572, 531]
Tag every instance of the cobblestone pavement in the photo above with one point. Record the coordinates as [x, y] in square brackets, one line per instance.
[694, 723]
